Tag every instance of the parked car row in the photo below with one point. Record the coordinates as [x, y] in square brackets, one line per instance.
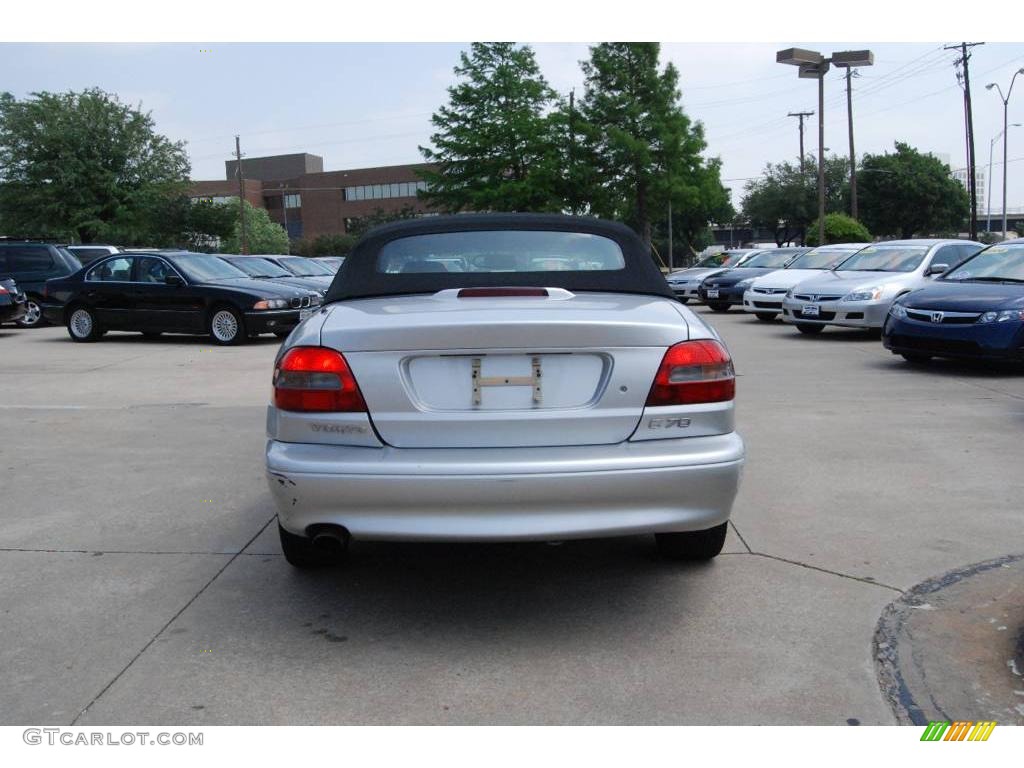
[925, 297]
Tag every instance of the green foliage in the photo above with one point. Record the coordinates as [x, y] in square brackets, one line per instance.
[326, 245]
[493, 144]
[839, 228]
[639, 149]
[785, 199]
[263, 233]
[359, 226]
[908, 193]
[84, 166]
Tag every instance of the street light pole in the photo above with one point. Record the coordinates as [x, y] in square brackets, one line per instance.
[814, 64]
[1006, 134]
[988, 195]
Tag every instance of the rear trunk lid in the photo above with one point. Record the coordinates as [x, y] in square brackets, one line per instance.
[563, 369]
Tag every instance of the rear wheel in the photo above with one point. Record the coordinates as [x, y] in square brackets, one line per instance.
[766, 317]
[719, 306]
[227, 327]
[300, 551]
[82, 325]
[692, 545]
[33, 316]
[810, 330]
[915, 358]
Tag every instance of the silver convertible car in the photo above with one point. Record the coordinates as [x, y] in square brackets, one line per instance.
[550, 388]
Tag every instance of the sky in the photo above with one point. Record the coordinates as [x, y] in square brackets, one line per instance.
[369, 104]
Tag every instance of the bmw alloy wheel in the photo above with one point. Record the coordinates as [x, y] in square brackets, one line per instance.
[224, 325]
[81, 323]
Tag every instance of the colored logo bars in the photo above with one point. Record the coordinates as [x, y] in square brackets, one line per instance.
[961, 730]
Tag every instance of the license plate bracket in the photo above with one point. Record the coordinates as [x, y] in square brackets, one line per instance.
[712, 293]
[811, 310]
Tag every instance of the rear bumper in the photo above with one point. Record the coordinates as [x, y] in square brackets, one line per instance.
[507, 494]
[12, 309]
[985, 342]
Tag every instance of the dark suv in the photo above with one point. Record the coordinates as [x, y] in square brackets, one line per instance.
[30, 264]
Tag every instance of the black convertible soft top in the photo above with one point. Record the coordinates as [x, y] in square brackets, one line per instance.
[360, 277]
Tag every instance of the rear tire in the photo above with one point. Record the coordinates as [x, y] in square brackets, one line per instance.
[692, 545]
[83, 326]
[226, 326]
[766, 317]
[33, 316]
[810, 330]
[916, 358]
[718, 306]
[300, 552]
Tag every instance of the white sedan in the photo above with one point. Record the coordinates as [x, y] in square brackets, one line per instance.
[506, 401]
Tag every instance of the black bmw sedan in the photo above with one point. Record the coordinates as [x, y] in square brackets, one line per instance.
[174, 292]
[975, 310]
[720, 291]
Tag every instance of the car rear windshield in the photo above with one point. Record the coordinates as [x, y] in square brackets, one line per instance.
[769, 260]
[500, 251]
[822, 258]
[885, 258]
[998, 262]
[492, 250]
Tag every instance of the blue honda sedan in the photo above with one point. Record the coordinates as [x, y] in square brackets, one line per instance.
[974, 310]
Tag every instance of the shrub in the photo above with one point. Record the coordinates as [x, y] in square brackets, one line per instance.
[839, 228]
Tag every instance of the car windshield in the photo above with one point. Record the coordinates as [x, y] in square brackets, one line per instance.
[201, 266]
[996, 263]
[717, 259]
[769, 260]
[303, 267]
[500, 251]
[822, 258]
[885, 258]
[259, 268]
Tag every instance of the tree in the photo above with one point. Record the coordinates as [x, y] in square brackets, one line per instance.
[638, 147]
[839, 228]
[785, 198]
[492, 145]
[908, 193]
[326, 245]
[204, 225]
[84, 166]
[264, 235]
[359, 226]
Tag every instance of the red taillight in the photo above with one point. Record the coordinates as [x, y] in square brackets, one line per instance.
[316, 379]
[4, 290]
[483, 293]
[694, 372]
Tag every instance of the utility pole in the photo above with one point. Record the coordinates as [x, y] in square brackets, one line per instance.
[241, 195]
[821, 153]
[670, 265]
[972, 182]
[853, 155]
[572, 152]
[801, 116]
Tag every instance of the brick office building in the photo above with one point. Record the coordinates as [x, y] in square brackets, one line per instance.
[308, 201]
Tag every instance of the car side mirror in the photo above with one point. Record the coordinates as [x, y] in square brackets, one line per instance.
[173, 280]
[937, 269]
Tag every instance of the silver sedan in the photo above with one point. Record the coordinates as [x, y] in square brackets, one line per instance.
[517, 399]
[859, 292]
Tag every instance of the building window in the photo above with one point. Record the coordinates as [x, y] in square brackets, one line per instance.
[384, 191]
[293, 201]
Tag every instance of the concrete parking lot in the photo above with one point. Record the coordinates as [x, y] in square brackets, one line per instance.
[141, 580]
